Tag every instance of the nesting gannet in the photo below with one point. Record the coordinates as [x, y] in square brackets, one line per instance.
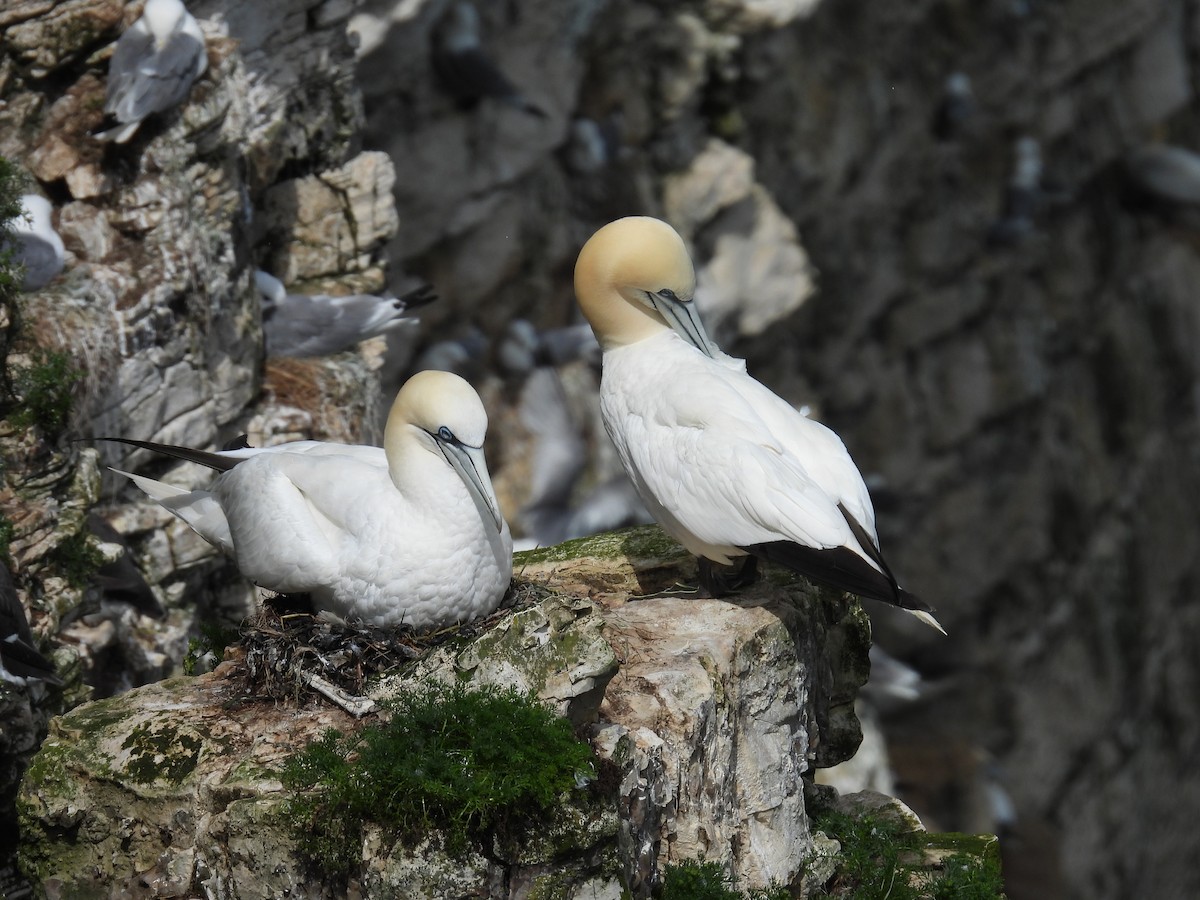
[318, 325]
[38, 247]
[152, 68]
[408, 533]
[466, 70]
[19, 658]
[724, 465]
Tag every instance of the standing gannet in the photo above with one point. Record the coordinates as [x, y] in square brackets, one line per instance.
[152, 68]
[38, 247]
[725, 466]
[408, 533]
[299, 325]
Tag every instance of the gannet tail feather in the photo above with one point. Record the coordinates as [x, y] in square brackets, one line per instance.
[203, 457]
[845, 570]
[200, 509]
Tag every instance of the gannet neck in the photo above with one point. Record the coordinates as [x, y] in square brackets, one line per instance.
[634, 279]
[439, 416]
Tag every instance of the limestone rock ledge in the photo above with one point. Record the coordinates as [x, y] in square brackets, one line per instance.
[711, 711]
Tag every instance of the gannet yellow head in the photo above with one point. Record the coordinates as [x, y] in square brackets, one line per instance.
[634, 279]
[441, 413]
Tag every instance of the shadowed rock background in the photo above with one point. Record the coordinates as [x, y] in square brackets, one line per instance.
[1011, 358]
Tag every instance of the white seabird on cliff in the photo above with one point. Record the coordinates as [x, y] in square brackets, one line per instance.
[38, 247]
[318, 325]
[408, 533]
[152, 68]
[724, 465]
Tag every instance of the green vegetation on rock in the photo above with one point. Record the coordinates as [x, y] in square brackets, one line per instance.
[883, 857]
[697, 880]
[43, 390]
[462, 761]
[12, 183]
[77, 559]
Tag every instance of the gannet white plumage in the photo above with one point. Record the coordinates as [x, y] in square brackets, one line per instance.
[301, 325]
[38, 247]
[408, 533]
[724, 465]
[152, 68]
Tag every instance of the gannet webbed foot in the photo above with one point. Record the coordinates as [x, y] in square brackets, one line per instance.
[717, 580]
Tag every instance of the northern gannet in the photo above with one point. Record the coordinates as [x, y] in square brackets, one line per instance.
[301, 325]
[409, 533]
[38, 247]
[724, 465]
[152, 68]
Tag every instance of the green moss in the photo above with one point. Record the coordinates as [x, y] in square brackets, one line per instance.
[882, 857]
[6, 535]
[465, 762]
[77, 559]
[638, 542]
[12, 185]
[698, 880]
[168, 754]
[43, 391]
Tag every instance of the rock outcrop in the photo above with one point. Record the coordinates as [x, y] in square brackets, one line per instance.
[709, 713]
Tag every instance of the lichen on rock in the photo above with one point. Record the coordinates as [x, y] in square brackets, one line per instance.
[705, 715]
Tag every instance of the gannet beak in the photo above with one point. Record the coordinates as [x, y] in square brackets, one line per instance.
[684, 318]
[471, 467]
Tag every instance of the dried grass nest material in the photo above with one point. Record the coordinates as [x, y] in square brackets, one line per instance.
[281, 648]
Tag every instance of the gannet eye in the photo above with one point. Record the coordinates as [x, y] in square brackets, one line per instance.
[445, 434]
[668, 294]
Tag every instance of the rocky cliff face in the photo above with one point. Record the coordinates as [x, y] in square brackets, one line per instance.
[706, 713]
[1010, 357]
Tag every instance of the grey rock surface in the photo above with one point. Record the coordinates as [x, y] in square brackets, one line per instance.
[709, 712]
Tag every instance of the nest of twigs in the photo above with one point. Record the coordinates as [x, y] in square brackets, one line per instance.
[284, 648]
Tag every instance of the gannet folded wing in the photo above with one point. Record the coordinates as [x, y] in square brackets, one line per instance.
[712, 466]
